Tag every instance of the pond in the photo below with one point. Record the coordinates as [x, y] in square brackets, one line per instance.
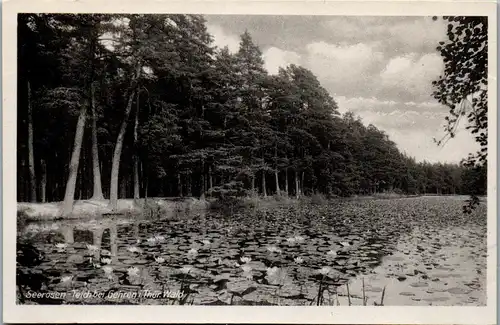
[413, 251]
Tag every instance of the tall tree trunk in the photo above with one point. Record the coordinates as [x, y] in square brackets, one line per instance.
[123, 188]
[189, 191]
[253, 182]
[136, 156]
[203, 187]
[179, 184]
[81, 182]
[43, 181]
[141, 168]
[276, 178]
[69, 194]
[276, 173]
[264, 190]
[210, 178]
[297, 191]
[302, 183]
[115, 166]
[97, 191]
[31, 155]
[286, 181]
[22, 184]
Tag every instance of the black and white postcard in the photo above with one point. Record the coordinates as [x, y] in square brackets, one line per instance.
[251, 162]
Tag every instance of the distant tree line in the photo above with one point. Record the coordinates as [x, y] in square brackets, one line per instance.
[134, 106]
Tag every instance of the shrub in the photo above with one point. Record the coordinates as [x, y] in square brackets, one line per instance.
[151, 209]
[230, 197]
[318, 199]
[283, 197]
[22, 218]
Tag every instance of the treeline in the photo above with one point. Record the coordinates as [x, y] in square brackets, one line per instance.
[145, 105]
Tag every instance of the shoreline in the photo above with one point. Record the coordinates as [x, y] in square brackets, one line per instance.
[87, 209]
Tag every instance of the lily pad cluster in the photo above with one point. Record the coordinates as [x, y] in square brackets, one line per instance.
[287, 255]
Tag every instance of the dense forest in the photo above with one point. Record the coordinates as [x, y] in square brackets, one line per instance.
[114, 106]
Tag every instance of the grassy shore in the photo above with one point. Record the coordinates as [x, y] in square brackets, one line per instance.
[95, 208]
[166, 207]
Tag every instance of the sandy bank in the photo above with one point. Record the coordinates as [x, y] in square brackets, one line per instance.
[92, 208]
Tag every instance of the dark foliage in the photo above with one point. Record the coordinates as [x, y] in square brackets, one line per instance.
[203, 121]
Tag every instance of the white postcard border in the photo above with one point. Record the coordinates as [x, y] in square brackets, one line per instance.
[238, 314]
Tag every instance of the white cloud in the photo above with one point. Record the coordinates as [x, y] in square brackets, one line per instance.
[391, 34]
[412, 126]
[275, 58]
[343, 69]
[348, 60]
[428, 105]
[416, 35]
[412, 74]
[222, 39]
[420, 144]
[361, 103]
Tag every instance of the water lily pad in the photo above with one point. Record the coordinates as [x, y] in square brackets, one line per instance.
[459, 291]
[76, 259]
[435, 299]
[419, 284]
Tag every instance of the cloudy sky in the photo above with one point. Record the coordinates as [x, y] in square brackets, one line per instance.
[380, 68]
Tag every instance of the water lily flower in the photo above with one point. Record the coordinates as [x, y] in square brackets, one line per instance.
[134, 249]
[94, 264]
[159, 259]
[92, 248]
[246, 268]
[186, 269]
[291, 240]
[245, 259]
[345, 244]
[61, 247]
[272, 271]
[160, 237]
[107, 269]
[66, 279]
[206, 242]
[105, 260]
[299, 239]
[105, 252]
[331, 253]
[33, 228]
[299, 260]
[45, 228]
[273, 249]
[247, 271]
[192, 253]
[325, 270]
[151, 240]
[138, 241]
[133, 271]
